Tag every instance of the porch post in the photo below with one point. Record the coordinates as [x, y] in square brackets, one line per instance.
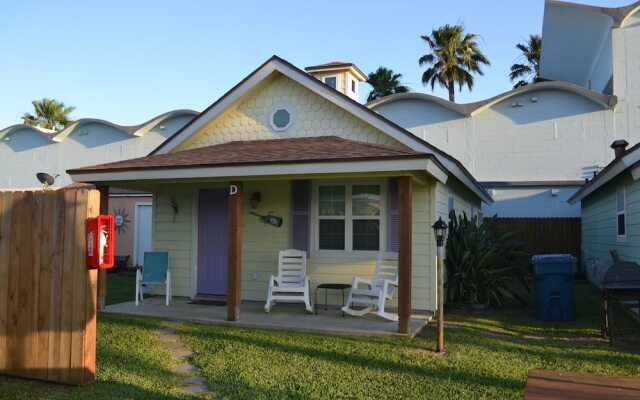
[234, 258]
[102, 273]
[404, 249]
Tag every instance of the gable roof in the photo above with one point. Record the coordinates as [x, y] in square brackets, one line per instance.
[337, 65]
[267, 151]
[630, 159]
[277, 64]
[268, 157]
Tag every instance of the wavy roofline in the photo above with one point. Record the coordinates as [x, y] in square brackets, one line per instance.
[20, 127]
[471, 109]
[131, 130]
[618, 14]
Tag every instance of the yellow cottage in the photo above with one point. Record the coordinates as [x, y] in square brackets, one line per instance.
[343, 183]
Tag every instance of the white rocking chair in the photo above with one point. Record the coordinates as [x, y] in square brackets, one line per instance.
[292, 283]
[373, 293]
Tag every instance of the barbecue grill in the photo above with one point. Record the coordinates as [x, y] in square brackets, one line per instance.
[620, 282]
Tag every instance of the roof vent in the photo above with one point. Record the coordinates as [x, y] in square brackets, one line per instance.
[619, 147]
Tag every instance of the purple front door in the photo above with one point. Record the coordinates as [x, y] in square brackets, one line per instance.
[213, 206]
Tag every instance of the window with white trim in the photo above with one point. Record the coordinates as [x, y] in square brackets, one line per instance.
[349, 216]
[621, 213]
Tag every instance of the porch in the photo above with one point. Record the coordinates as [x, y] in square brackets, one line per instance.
[341, 201]
[288, 317]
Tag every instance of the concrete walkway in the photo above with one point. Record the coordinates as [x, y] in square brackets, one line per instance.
[289, 317]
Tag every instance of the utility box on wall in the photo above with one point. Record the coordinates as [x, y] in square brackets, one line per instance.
[100, 241]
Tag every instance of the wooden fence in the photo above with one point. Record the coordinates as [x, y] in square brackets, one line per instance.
[47, 295]
[547, 235]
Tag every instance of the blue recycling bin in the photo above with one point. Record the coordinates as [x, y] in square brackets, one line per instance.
[554, 286]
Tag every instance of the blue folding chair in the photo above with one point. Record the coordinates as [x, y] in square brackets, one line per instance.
[154, 270]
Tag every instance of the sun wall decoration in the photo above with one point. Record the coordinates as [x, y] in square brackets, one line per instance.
[122, 220]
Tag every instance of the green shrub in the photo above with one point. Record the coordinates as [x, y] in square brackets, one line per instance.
[484, 264]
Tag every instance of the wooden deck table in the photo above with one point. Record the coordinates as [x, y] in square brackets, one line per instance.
[550, 385]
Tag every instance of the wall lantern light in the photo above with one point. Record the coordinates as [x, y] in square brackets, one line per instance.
[440, 230]
[255, 199]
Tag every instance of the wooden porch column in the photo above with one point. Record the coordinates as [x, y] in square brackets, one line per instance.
[234, 258]
[405, 237]
[102, 273]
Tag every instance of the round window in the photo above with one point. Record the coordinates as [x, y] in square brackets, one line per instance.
[281, 117]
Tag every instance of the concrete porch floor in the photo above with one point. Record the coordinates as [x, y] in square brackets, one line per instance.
[289, 317]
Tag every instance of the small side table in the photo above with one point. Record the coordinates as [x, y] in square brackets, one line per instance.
[326, 287]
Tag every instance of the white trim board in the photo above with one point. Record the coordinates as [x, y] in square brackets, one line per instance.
[136, 207]
[425, 165]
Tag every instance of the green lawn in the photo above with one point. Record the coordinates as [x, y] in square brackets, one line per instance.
[120, 288]
[488, 356]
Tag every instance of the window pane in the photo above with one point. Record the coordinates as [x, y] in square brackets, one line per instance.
[620, 200]
[366, 234]
[366, 200]
[331, 81]
[331, 200]
[331, 234]
[621, 225]
[281, 118]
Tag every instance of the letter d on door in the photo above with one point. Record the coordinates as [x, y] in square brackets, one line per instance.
[233, 189]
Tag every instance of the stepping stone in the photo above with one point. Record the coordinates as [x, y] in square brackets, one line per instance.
[173, 345]
[169, 336]
[184, 368]
[197, 389]
[195, 380]
[182, 353]
[165, 331]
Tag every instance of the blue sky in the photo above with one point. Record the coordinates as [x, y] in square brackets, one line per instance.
[128, 61]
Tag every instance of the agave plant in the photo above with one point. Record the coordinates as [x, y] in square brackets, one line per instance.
[485, 265]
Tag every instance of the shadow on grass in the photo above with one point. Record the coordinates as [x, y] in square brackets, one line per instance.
[440, 371]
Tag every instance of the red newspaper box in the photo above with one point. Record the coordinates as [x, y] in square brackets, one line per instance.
[100, 241]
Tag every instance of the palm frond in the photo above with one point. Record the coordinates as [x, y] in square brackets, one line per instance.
[454, 55]
[527, 70]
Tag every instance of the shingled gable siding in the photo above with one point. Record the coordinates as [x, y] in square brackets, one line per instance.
[312, 116]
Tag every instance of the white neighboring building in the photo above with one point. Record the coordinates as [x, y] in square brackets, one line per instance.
[533, 147]
[25, 151]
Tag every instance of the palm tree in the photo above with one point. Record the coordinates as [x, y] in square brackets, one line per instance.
[529, 71]
[49, 114]
[454, 56]
[384, 83]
